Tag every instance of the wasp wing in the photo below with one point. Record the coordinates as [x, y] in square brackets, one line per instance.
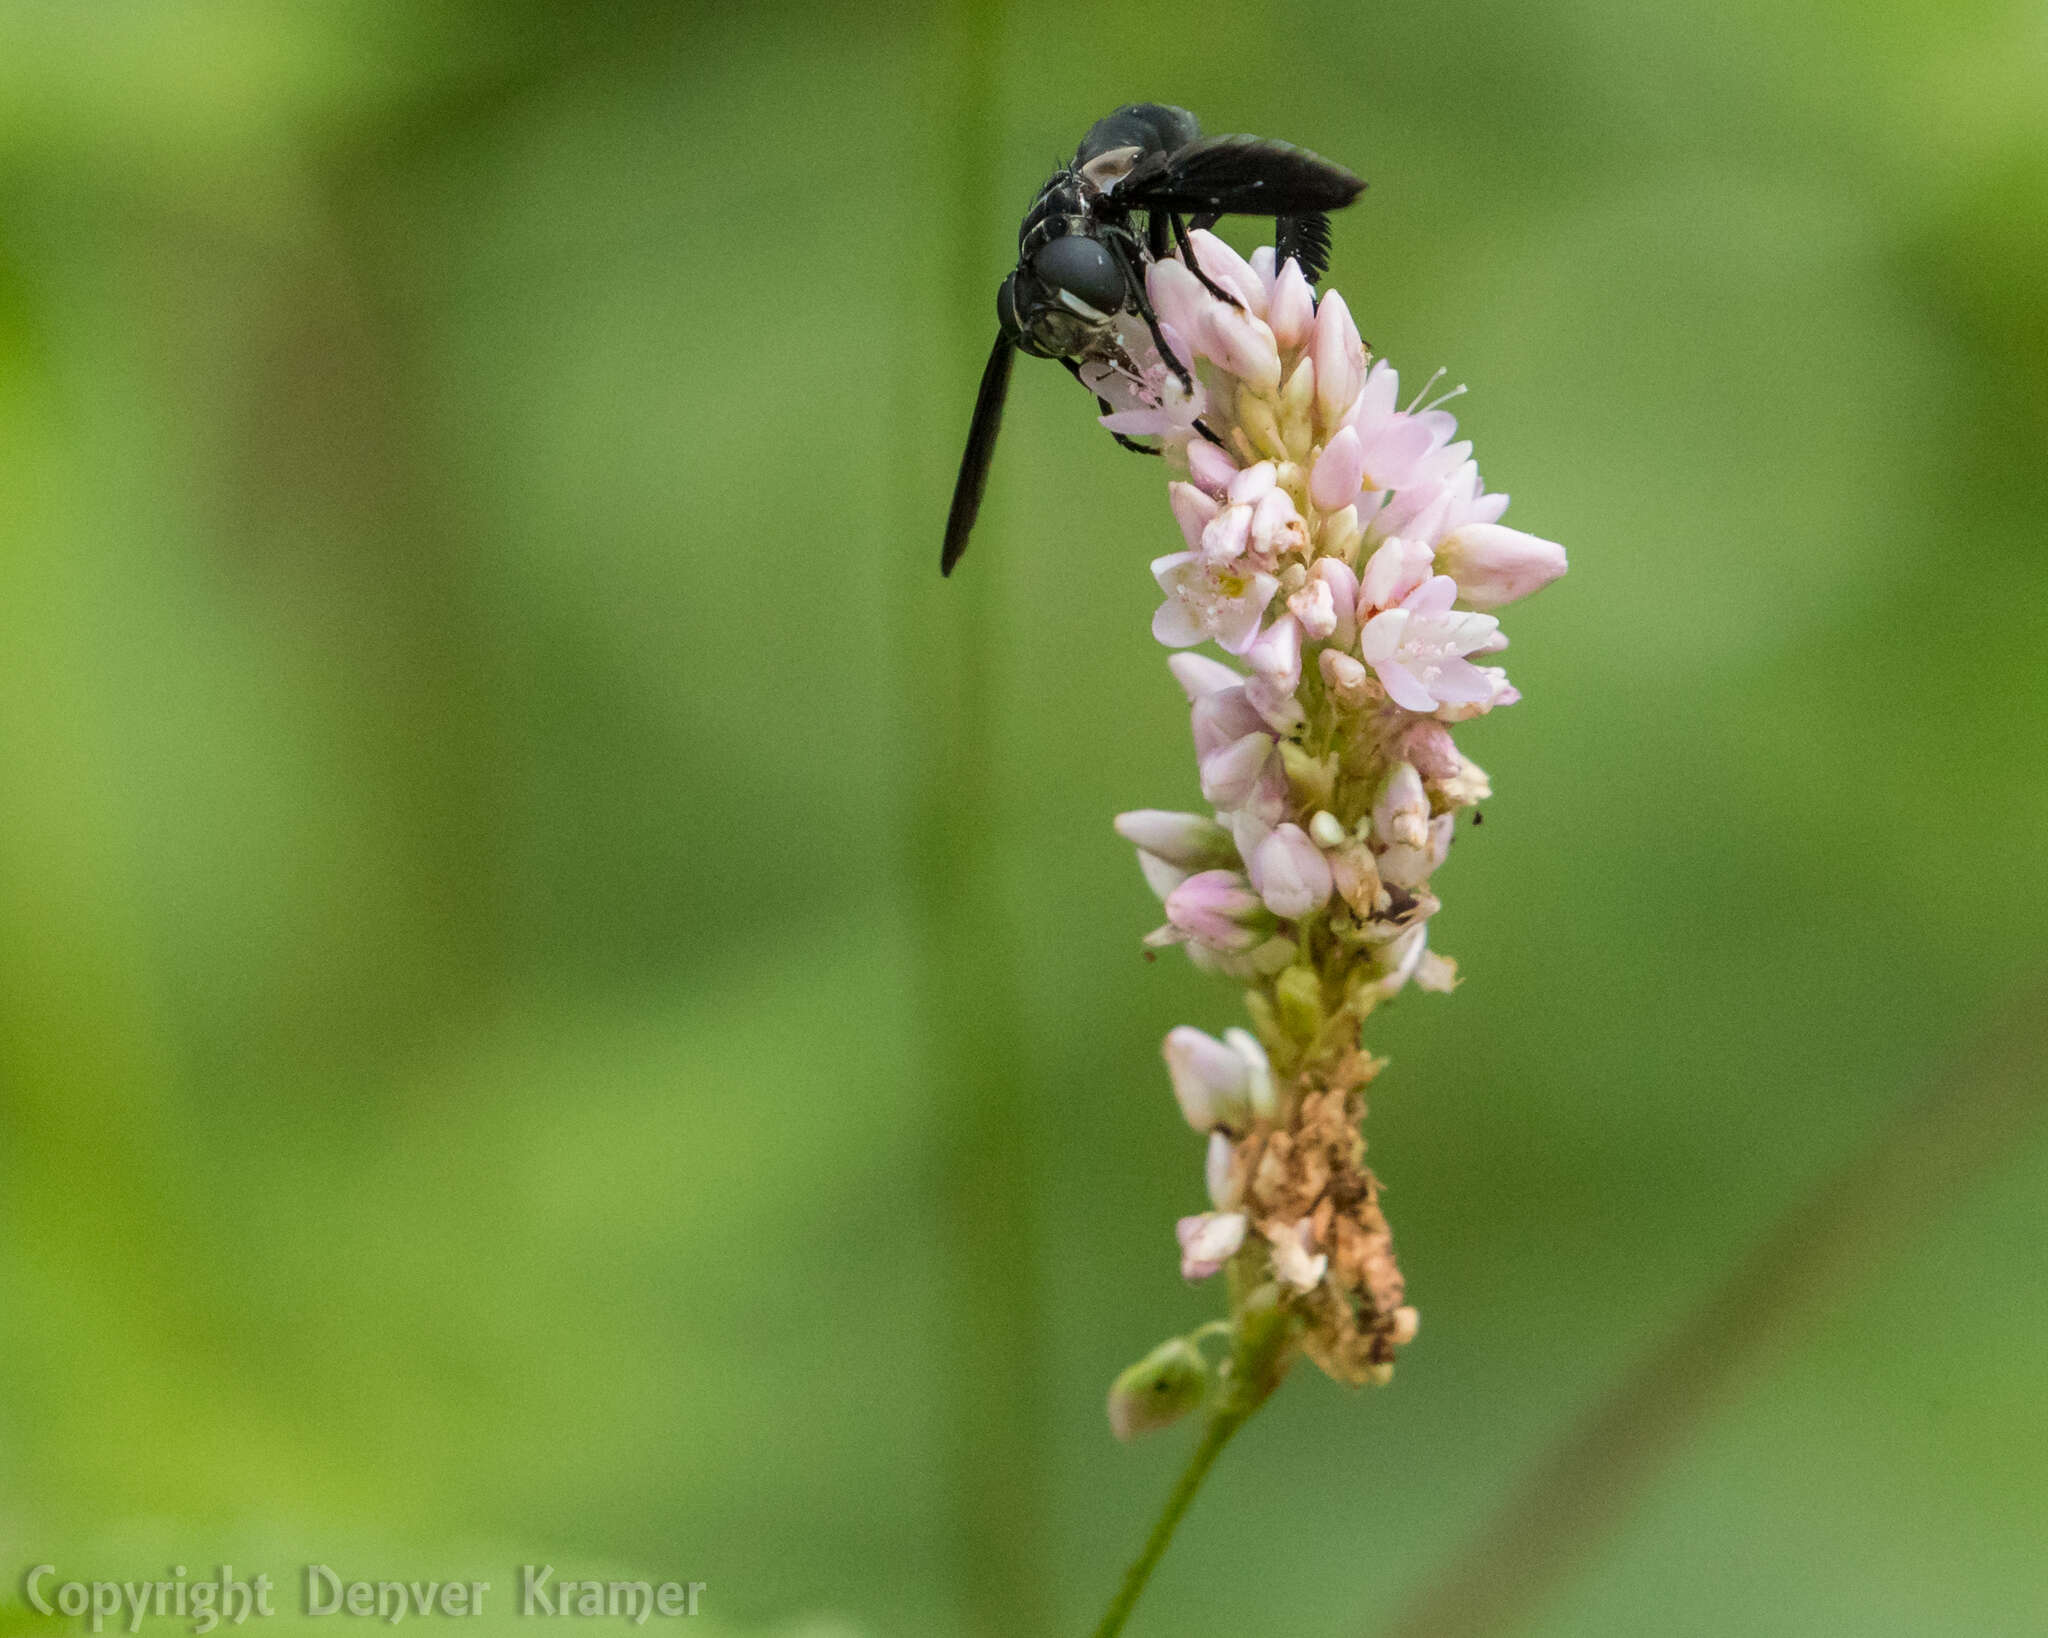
[981, 448]
[1239, 176]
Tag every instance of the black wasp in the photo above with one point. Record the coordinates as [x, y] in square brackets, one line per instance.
[1137, 179]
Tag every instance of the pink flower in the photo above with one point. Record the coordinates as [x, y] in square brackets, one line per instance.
[1392, 572]
[1223, 264]
[1193, 509]
[1200, 677]
[1218, 1083]
[1339, 471]
[1291, 308]
[1339, 357]
[1290, 873]
[1217, 908]
[1203, 601]
[1241, 344]
[1418, 650]
[1147, 401]
[1232, 774]
[1292, 1263]
[1493, 564]
[1276, 656]
[1185, 840]
[1216, 1169]
[1208, 1241]
[1209, 467]
[1314, 609]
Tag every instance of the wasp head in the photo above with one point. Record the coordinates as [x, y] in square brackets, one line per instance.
[1059, 303]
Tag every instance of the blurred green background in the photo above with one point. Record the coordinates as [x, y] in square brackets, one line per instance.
[562, 997]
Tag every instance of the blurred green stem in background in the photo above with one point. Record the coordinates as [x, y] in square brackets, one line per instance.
[1922, 1160]
[993, 1491]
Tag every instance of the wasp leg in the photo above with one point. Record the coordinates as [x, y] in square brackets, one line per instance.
[1305, 239]
[1187, 256]
[1134, 282]
[1108, 408]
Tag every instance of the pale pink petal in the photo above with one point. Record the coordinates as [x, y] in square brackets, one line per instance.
[1241, 344]
[1208, 1241]
[1200, 676]
[1291, 311]
[1231, 773]
[1252, 484]
[1338, 472]
[1229, 269]
[1290, 873]
[1339, 356]
[1210, 468]
[1192, 510]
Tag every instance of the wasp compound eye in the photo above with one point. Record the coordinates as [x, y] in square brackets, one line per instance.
[1006, 306]
[1082, 268]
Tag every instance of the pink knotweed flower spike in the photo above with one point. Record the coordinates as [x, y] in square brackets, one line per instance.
[1341, 552]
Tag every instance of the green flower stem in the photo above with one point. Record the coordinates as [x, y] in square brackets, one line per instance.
[1221, 1425]
[1263, 1348]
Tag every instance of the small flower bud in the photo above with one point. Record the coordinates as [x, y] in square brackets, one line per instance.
[1226, 534]
[1177, 296]
[1276, 656]
[1211, 1078]
[1259, 1088]
[1208, 1241]
[1219, 259]
[1429, 746]
[1391, 573]
[1493, 564]
[1192, 510]
[1252, 485]
[1261, 424]
[1209, 468]
[1400, 813]
[1336, 574]
[1292, 1263]
[1221, 718]
[1241, 344]
[1338, 471]
[1291, 310]
[1160, 876]
[1311, 780]
[1340, 359]
[1200, 676]
[1231, 773]
[1218, 908]
[1315, 609]
[1186, 840]
[1327, 829]
[1299, 995]
[1297, 405]
[1342, 535]
[1159, 1390]
[1290, 873]
[1277, 528]
[1357, 878]
[1347, 678]
[1216, 1170]
[1276, 703]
